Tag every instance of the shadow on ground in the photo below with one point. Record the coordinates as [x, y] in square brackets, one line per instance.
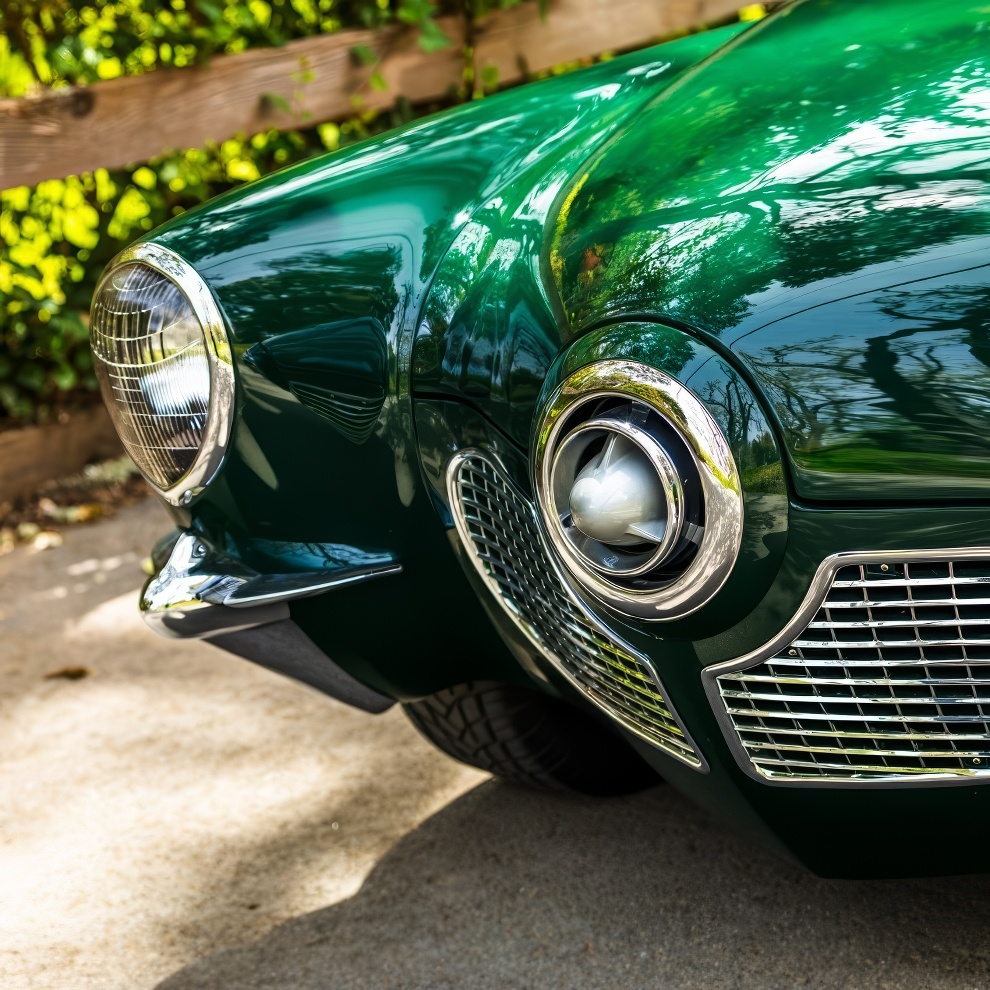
[508, 888]
[177, 804]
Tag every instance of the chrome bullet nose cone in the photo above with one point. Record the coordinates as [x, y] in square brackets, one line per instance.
[617, 495]
[638, 492]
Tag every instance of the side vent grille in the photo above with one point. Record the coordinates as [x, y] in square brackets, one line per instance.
[499, 529]
[354, 416]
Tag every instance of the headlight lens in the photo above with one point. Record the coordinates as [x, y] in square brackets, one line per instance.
[161, 357]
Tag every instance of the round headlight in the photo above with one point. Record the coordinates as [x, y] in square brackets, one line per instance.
[638, 490]
[163, 361]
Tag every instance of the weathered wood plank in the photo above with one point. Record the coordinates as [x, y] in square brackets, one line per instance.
[135, 118]
[37, 454]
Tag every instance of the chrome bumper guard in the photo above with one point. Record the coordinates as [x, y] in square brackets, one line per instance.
[200, 592]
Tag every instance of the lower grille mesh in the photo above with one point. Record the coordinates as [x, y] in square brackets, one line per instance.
[498, 527]
[890, 680]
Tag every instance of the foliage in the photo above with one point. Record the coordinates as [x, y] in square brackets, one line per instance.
[59, 235]
[79, 41]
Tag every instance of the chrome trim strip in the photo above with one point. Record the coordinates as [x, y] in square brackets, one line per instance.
[219, 420]
[721, 486]
[468, 542]
[820, 585]
[201, 592]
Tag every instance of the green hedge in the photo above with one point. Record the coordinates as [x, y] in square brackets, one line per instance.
[59, 235]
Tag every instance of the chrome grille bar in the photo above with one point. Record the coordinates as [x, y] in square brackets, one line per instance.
[498, 527]
[881, 678]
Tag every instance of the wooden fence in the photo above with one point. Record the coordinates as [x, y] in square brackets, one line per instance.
[135, 118]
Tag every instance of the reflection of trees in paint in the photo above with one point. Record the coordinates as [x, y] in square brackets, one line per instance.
[909, 375]
[876, 146]
[484, 331]
[342, 281]
[742, 421]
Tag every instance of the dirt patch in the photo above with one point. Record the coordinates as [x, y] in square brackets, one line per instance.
[98, 491]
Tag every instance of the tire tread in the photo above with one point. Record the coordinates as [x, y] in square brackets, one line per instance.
[529, 738]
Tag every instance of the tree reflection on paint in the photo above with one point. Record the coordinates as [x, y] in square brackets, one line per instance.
[904, 389]
[735, 183]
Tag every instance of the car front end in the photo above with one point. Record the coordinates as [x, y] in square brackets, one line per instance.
[658, 390]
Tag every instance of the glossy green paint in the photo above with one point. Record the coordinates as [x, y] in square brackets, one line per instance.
[810, 824]
[321, 272]
[884, 395]
[727, 223]
[837, 149]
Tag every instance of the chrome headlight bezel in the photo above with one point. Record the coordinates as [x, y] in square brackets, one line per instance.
[220, 414]
[713, 464]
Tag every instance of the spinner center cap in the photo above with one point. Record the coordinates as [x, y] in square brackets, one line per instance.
[637, 489]
[619, 497]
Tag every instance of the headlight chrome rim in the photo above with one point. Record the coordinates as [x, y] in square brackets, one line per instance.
[721, 487]
[219, 421]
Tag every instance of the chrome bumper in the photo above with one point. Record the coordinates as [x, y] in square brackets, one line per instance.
[200, 592]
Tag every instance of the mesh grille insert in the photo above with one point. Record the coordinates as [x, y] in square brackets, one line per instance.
[889, 681]
[498, 527]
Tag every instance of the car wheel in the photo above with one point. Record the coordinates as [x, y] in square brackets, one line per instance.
[527, 737]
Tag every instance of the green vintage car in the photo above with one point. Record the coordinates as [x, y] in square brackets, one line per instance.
[627, 425]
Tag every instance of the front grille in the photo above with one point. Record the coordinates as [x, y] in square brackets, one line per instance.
[890, 681]
[498, 527]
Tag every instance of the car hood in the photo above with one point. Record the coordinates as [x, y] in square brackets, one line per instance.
[833, 148]
[770, 202]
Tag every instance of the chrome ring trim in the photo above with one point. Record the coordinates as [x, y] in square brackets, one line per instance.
[721, 486]
[220, 418]
[468, 542]
[813, 601]
[673, 492]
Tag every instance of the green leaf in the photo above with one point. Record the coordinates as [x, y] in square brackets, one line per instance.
[65, 378]
[377, 82]
[275, 101]
[363, 55]
[210, 10]
[432, 38]
[8, 397]
[416, 12]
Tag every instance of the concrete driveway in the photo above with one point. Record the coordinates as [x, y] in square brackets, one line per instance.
[180, 819]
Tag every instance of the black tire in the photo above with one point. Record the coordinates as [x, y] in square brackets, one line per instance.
[527, 737]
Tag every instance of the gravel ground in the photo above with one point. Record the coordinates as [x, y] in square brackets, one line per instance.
[172, 817]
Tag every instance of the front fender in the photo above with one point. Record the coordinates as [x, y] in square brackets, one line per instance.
[322, 270]
[321, 273]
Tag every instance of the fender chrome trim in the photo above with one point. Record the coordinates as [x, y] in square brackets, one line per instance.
[200, 591]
